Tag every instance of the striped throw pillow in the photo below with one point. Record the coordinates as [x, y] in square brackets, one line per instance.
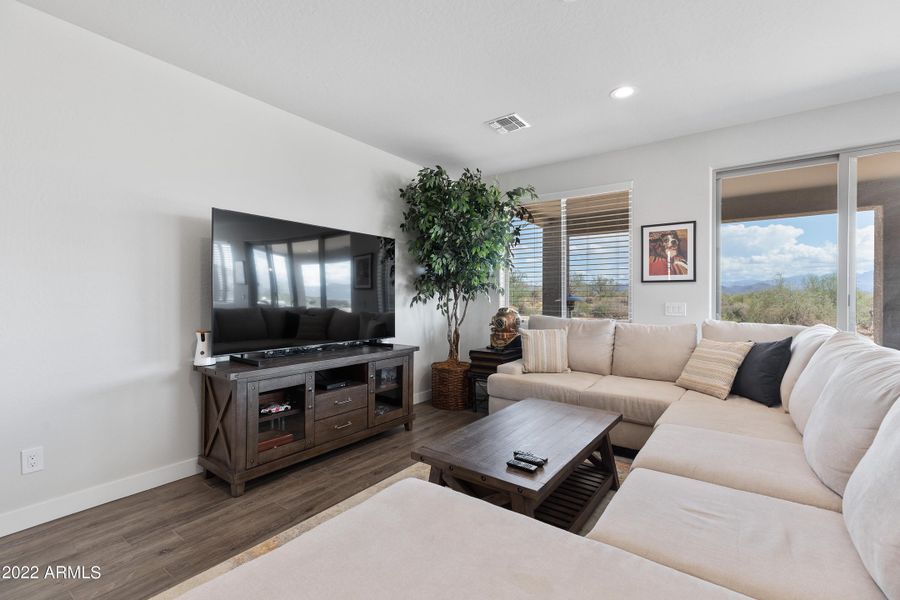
[713, 366]
[545, 351]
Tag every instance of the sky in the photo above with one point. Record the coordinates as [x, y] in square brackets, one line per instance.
[761, 250]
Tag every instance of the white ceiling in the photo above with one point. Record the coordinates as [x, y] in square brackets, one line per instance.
[418, 78]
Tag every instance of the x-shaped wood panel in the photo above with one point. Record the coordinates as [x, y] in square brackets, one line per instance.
[214, 407]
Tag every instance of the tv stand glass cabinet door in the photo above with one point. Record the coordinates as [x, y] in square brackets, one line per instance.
[280, 417]
[390, 384]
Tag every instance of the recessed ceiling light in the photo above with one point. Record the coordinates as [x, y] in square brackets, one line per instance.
[622, 92]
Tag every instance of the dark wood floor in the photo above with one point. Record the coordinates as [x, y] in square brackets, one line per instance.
[148, 542]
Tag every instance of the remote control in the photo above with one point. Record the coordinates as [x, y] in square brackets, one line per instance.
[518, 464]
[530, 459]
[518, 453]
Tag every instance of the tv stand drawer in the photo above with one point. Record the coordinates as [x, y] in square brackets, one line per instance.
[342, 400]
[338, 426]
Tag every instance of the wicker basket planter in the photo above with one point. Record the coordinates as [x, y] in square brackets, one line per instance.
[450, 385]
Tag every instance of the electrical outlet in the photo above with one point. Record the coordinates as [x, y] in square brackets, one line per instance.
[676, 309]
[32, 460]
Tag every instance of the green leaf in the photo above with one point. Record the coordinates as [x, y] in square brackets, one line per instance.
[462, 233]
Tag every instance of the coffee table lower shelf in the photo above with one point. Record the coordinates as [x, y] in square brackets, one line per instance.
[570, 505]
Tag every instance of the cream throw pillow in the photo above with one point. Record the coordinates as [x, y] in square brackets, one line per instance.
[545, 351]
[872, 509]
[840, 348]
[804, 346]
[849, 412]
[712, 367]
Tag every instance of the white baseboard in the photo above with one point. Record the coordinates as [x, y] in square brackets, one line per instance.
[48, 510]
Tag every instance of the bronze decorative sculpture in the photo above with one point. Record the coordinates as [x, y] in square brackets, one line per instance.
[504, 327]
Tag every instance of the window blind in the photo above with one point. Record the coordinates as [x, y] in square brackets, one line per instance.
[599, 256]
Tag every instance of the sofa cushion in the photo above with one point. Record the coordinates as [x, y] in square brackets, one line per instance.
[376, 325]
[545, 351]
[292, 320]
[848, 414]
[237, 324]
[343, 326]
[314, 324]
[276, 322]
[730, 331]
[803, 347]
[872, 506]
[712, 367]
[759, 377]
[640, 401]
[653, 351]
[760, 546]
[736, 415]
[769, 467]
[590, 341]
[547, 322]
[451, 546]
[840, 347]
[562, 387]
[513, 367]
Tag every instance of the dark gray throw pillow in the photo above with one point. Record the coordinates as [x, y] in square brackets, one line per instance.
[760, 375]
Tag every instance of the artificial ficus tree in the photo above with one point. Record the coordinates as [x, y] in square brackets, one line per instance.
[462, 232]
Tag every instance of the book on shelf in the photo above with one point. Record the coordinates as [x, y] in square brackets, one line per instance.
[493, 360]
[505, 350]
[494, 354]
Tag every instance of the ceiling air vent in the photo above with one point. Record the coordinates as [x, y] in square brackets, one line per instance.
[508, 123]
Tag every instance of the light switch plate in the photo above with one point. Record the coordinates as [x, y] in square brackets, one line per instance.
[676, 309]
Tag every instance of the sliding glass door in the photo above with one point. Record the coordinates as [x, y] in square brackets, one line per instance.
[813, 241]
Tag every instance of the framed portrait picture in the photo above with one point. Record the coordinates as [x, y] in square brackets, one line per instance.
[669, 252]
[362, 272]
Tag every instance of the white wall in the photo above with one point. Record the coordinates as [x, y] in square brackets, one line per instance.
[673, 181]
[109, 163]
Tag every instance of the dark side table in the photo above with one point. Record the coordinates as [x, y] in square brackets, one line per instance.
[484, 363]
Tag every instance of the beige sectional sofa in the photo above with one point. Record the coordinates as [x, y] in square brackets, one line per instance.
[744, 502]
[726, 499]
[416, 540]
[631, 368]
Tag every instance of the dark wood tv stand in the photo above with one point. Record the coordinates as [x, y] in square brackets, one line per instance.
[258, 419]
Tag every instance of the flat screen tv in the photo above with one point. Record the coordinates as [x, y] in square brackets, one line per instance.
[280, 286]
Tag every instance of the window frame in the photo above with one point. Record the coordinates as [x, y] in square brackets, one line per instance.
[572, 194]
[847, 187]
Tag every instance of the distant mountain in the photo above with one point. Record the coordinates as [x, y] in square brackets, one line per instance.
[864, 283]
[336, 291]
[745, 286]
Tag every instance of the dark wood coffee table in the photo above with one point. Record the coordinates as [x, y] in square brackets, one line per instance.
[580, 471]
